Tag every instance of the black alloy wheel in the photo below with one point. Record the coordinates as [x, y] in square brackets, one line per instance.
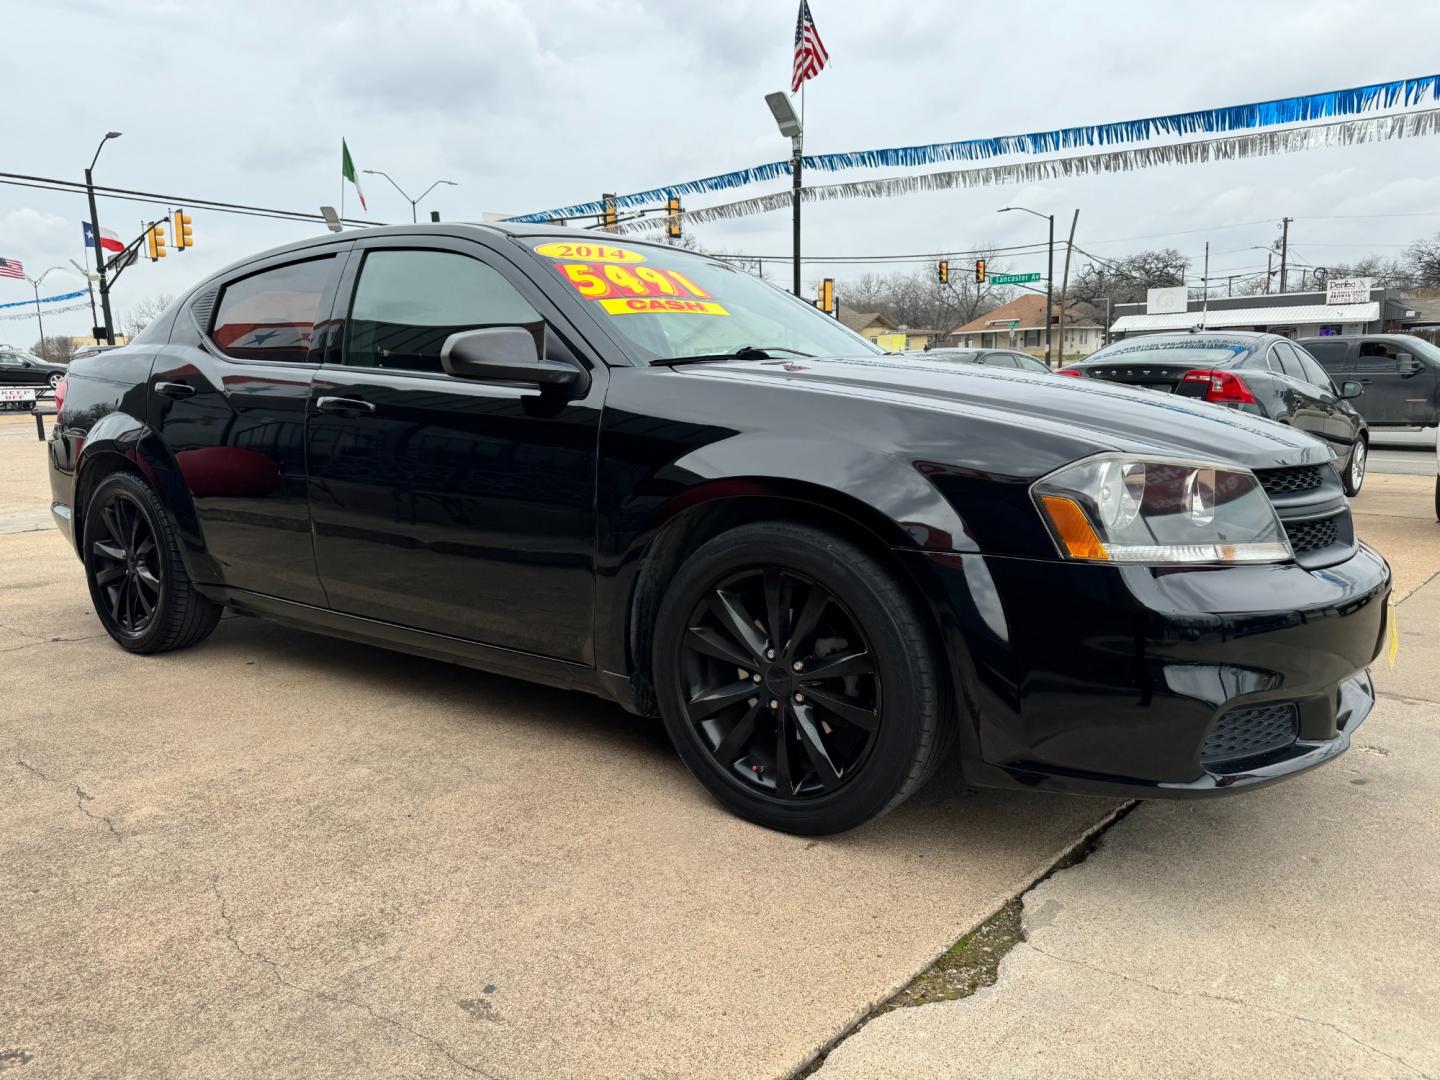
[138, 583]
[798, 679]
[781, 683]
[124, 558]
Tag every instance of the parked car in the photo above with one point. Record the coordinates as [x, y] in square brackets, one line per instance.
[1400, 374]
[637, 471]
[1009, 359]
[19, 368]
[1261, 374]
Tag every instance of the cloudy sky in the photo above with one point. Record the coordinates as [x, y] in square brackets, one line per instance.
[540, 103]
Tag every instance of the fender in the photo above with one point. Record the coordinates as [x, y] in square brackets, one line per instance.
[885, 495]
[120, 435]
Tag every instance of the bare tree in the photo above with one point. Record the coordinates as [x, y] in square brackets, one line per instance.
[146, 311]
[918, 301]
[57, 349]
[1127, 280]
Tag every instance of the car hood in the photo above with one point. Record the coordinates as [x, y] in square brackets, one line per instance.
[1106, 415]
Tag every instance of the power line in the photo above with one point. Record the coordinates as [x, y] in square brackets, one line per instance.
[50, 183]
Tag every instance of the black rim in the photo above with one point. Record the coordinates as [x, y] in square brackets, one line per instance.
[124, 560]
[780, 683]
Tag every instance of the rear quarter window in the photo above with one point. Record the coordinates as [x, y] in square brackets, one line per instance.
[271, 315]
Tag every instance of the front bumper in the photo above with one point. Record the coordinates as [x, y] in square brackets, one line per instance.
[1111, 680]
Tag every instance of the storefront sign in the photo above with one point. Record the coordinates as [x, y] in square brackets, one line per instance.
[1171, 301]
[1348, 290]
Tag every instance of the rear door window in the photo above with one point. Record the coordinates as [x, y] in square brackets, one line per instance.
[998, 359]
[271, 315]
[1314, 373]
[1333, 356]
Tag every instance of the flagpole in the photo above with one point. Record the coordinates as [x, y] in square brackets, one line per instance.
[342, 181]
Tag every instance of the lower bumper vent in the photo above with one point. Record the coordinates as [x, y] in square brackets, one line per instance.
[1247, 733]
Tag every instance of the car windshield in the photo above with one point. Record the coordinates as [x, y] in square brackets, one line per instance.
[668, 304]
[1423, 347]
[1198, 353]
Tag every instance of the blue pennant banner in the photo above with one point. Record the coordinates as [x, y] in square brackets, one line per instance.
[46, 299]
[1262, 114]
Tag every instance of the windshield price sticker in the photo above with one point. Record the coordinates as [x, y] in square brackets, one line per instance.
[650, 305]
[601, 282]
[599, 253]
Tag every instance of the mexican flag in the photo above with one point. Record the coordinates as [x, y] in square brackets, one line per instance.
[347, 170]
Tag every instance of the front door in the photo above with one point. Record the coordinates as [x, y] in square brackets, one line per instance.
[1390, 376]
[447, 504]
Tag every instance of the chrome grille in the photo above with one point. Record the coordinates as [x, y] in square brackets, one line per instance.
[1247, 733]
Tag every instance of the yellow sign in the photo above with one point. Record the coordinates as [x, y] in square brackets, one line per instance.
[599, 253]
[650, 305]
[1394, 634]
[891, 342]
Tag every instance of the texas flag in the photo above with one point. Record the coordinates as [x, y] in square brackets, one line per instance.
[109, 241]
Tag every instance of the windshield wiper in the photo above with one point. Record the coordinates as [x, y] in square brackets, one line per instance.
[744, 352]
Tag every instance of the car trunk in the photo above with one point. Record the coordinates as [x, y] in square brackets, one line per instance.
[1150, 375]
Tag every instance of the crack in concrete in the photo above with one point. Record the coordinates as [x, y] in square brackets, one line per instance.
[1411, 592]
[228, 931]
[81, 797]
[50, 641]
[1241, 1002]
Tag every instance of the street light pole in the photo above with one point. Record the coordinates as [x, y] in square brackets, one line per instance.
[791, 127]
[1049, 278]
[99, 250]
[35, 284]
[414, 203]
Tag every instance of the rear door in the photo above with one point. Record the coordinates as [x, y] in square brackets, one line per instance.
[1303, 405]
[1341, 424]
[227, 397]
[446, 504]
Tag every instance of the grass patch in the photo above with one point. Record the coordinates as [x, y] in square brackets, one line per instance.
[968, 965]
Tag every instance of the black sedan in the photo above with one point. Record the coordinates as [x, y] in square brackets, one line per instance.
[21, 374]
[639, 472]
[995, 358]
[1262, 374]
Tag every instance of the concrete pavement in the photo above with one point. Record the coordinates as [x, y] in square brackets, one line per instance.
[1288, 933]
[279, 855]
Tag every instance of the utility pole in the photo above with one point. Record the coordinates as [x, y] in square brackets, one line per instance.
[89, 287]
[1269, 270]
[1205, 282]
[1284, 248]
[795, 144]
[1065, 280]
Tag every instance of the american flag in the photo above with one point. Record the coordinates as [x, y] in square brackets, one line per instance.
[12, 268]
[810, 54]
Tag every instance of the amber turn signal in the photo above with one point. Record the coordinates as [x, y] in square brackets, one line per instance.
[1074, 528]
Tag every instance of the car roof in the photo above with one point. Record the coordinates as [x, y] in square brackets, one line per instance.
[1357, 337]
[439, 228]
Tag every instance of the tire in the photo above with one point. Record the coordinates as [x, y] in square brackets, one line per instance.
[833, 721]
[1354, 476]
[142, 594]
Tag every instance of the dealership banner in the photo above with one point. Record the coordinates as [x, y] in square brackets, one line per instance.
[47, 299]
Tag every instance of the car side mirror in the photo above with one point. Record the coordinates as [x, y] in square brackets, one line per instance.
[504, 354]
[1409, 365]
[1351, 390]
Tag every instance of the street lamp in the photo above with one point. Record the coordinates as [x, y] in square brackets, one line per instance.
[1049, 275]
[35, 284]
[99, 250]
[790, 128]
[414, 214]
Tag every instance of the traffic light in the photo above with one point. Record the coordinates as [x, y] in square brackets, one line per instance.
[942, 271]
[827, 295]
[612, 217]
[182, 230]
[980, 271]
[672, 226]
[155, 241]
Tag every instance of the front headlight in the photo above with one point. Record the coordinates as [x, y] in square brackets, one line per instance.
[1144, 510]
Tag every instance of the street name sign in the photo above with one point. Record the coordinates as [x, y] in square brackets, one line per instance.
[1013, 279]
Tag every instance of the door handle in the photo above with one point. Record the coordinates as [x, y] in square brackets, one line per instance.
[345, 406]
[174, 389]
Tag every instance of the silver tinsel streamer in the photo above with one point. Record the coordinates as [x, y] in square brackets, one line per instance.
[1409, 125]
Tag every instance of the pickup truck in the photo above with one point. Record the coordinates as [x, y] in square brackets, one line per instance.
[1400, 374]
